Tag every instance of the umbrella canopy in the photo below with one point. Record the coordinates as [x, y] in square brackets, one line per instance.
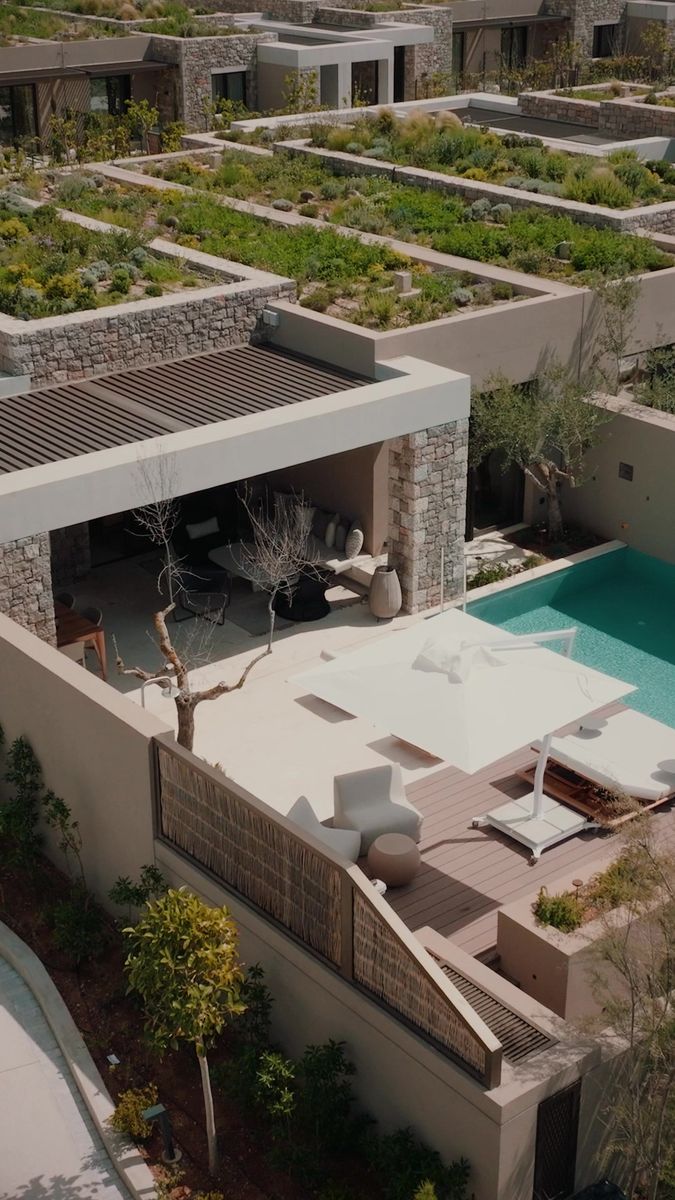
[461, 689]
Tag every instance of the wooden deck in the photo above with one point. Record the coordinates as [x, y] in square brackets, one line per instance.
[468, 874]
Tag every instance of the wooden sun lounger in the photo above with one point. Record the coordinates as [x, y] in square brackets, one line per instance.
[579, 793]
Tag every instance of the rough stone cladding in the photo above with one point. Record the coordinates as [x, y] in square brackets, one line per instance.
[427, 511]
[133, 335]
[197, 58]
[70, 554]
[626, 117]
[584, 14]
[559, 108]
[26, 585]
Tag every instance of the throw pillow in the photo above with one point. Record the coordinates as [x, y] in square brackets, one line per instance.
[202, 528]
[320, 523]
[354, 540]
[341, 536]
[331, 530]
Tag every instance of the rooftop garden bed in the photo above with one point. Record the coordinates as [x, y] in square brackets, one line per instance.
[49, 266]
[633, 876]
[336, 274]
[660, 101]
[531, 241]
[443, 144]
[613, 90]
[17, 23]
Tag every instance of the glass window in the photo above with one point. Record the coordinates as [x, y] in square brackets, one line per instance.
[364, 82]
[17, 113]
[109, 94]
[229, 85]
[514, 46]
[604, 40]
[458, 40]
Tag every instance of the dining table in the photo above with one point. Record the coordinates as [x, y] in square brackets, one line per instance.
[72, 627]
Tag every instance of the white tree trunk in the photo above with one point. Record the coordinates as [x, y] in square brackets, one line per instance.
[210, 1117]
[554, 511]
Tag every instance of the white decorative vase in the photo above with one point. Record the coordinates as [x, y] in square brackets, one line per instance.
[385, 594]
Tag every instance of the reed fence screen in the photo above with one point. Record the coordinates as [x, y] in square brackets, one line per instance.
[329, 905]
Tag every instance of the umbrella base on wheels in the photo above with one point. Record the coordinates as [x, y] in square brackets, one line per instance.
[554, 823]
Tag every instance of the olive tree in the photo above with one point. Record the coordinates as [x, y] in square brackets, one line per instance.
[183, 963]
[634, 982]
[545, 427]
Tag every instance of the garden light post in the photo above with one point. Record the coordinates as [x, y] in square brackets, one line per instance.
[170, 1153]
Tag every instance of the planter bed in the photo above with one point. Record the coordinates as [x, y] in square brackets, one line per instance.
[543, 244]
[511, 161]
[344, 276]
[18, 23]
[50, 266]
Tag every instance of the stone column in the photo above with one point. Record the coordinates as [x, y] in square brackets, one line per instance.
[26, 585]
[70, 554]
[427, 511]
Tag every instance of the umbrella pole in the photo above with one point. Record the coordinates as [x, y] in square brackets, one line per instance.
[538, 795]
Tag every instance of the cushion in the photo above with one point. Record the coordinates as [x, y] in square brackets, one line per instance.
[202, 529]
[320, 523]
[341, 536]
[354, 540]
[331, 530]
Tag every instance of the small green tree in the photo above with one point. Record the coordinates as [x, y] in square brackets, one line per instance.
[183, 963]
[141, 117]
[301, 92]
[545, 427]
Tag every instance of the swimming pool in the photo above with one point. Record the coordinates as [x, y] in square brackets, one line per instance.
[623, 604]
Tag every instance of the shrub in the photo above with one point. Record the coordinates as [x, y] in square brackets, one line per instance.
[131, 1104]
[79, 926]
[564, 911]
[489, 573]
[120, 281]
[309, 210]
[19, 814]
[153, 289]
[318, 300]
[403, 1164]
[13, 230]
[632, 876]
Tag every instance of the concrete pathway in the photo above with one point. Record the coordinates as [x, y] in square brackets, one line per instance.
[49, 1149]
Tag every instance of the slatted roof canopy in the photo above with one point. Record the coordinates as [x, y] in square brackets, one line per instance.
[48, 424]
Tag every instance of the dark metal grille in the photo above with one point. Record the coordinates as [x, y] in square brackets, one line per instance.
[556, 1148]
[519, 1039]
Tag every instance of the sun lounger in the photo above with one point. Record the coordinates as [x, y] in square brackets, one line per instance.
[626, 752]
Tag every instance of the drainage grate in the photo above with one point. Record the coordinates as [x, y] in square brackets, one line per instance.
[519, 1039]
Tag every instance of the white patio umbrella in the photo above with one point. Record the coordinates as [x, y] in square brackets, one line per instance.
[468, 693]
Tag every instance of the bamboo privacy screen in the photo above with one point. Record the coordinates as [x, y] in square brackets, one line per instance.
[326, 903]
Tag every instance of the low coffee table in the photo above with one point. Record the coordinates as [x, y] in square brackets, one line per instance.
[394, 858]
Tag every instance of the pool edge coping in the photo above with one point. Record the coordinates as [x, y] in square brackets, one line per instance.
[561, 564]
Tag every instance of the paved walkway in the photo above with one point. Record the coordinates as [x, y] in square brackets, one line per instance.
[49, 1149]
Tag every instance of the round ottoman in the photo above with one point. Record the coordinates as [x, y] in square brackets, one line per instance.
[394, 858]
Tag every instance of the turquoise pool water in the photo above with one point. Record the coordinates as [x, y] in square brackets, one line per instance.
[623, 604]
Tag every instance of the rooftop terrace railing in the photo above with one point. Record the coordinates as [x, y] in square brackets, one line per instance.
[324, 902]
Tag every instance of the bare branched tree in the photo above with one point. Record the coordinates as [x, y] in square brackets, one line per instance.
[158, 522]
[634, 981]
[617, 300]
[280, 550]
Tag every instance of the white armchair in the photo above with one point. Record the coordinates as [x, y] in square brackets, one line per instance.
[374, 802]
[342, 841]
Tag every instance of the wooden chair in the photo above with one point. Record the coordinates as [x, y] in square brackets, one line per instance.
[67, 599]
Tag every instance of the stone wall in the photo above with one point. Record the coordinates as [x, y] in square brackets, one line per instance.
[583, 15]
[57, 349]
[623, 117]
[634, 118]
[26, 585]
[427, 511]
[549, 107]
[196, 59]
[70, 554]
